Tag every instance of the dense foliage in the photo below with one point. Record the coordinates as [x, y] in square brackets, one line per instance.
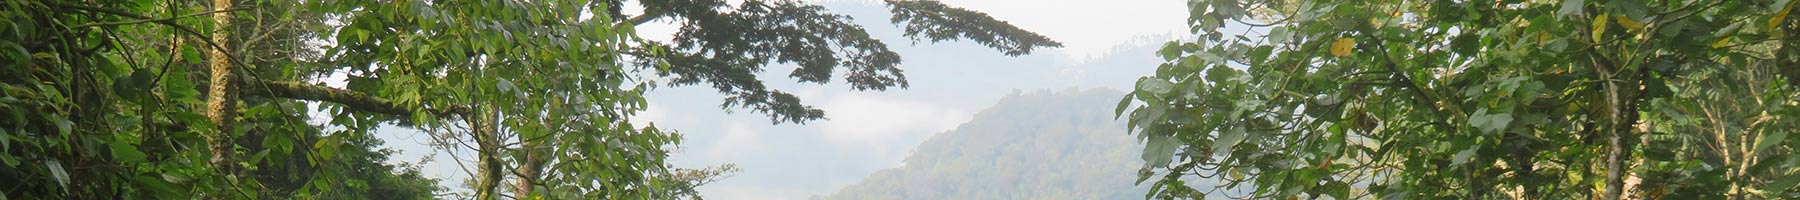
[1510, 99]
[1039, 145]
[126, 99]
[99, 107]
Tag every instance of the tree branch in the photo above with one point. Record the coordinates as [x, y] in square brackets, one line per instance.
[639, 19]
[353, 99]
[156, 20]
[1429, 101]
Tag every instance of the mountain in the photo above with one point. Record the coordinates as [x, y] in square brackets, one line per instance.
[1040, 145]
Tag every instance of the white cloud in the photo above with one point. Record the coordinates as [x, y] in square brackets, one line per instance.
[655, 113]
[739, 139]
[1087, 27]
[859, 120]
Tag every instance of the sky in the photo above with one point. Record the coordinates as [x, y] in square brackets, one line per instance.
[1107, 44]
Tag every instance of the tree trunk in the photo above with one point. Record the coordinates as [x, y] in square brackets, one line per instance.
[488, 141]
[221, 108]
[1622, 96]
[1621, 92]
[530, 169]
[1615, 182]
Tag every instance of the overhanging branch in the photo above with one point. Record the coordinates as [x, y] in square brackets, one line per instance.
[353, 99]
[640, 19]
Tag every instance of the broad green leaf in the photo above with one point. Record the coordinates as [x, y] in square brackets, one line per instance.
[125, 152]
[1146, 116]
[1463, 156]
[159, 187]
[1170, 51]
[1228, 139]
[1159, 150]
[63, 126]
[1155, 86]
[1786, 182]
[505, 86]
[1770, 139]
[57, 172]
[1466, 44]
[1123, 104]
[1491, 122]
[1571, 8]
[1279, 35]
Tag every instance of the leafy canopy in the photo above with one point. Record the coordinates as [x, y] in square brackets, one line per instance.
[1511, 99]
[104, 97]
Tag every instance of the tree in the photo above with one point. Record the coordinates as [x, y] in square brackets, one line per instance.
[524, 62]
[1475, 100]
[685, 183]
[102, 107]
[541, 90]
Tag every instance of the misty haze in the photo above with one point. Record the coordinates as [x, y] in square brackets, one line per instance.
[899, 99]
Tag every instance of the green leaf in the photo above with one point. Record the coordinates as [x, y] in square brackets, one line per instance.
[1123, 104]
[135, 85]
[1769, 139]
[1279, 35]
[159, 187]
[57, 172]
[1463, 156]
[10, 161]
[125, 152]
[1220, 73]
[1228, 139]
[1783, 184]
[1159, 151]
[14, 52]
[63, 126]
[175, 178]
[1170, 50]
[1571, 8]
[259, 156]
[1599, 27]
[1465, 44]
[190, 55]
[5, 141]
[1490, 123]
[1155, 86]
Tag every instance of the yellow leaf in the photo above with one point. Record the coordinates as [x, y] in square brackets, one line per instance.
[1775, 21]
[1721, 43]
[1342, 46]
[1628, 23]
[1600, 27]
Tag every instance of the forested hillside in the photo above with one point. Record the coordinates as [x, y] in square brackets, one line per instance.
[188, 99]
[1038, 145]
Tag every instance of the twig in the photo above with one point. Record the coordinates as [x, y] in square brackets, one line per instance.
[146, 20]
